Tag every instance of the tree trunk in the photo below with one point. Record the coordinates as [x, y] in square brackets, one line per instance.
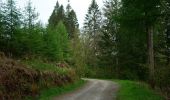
[168, 40]
[151, 56]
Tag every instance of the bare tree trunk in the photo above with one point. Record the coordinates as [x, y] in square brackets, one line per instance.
[168, 40]
[151, 57]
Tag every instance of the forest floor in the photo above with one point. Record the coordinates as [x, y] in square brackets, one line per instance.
[94, 90]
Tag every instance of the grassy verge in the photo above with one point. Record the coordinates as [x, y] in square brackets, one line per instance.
[59, 80]
[39, 65]
[50, 93]
[136, 91]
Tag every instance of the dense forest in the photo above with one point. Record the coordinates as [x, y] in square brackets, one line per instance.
[127, 39]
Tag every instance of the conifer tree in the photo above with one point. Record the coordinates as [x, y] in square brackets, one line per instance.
[30, 16]
[71, 21]
[72, 24]
[57, 43]
[109, 39]
[92, 22]
[12, 24]
[144, 16]
[57, 15]
[63, 41]
[1, 26]
[92, 26]
[1, 18]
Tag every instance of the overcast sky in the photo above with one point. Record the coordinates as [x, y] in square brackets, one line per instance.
[45, 7]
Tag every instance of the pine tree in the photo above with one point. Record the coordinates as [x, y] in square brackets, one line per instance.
[144, 15]
[32, 36]
[36, 40]
[166, 11]
[71, 21]
[57, 15]
[92, 22]
[57, 43]
[30, 16]
[109, 38]
[52, 18]
[68, 8]
[72, 24]
[63, 40]
[12, 24]
[1, 26]
[1, 18]
[92, 28]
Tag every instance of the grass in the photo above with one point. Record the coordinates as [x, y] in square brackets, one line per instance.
[39, 65]
[50, 93]
[136, 91]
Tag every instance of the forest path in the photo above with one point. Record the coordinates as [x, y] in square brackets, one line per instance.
[94, 90]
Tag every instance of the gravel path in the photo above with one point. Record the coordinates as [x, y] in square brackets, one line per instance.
[94, 90]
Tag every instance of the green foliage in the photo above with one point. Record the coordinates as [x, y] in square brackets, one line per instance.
[30, 38]
[1, 17]
[92, 25]
[100, 72]
[136, 91]
[72, 24]
[57, 15]
[63, 40]
[113, 47]
[30, 16]
[40, 65]
[109, 39]
[18, 38]
[57, 43]
[10, 21]
[68, 18]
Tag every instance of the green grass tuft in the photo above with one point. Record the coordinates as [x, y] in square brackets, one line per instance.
[136, 91]
[50, 93]
[39, 65]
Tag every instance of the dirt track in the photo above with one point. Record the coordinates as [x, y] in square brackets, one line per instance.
[94, 90]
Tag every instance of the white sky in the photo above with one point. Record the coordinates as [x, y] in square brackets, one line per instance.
[45, 7]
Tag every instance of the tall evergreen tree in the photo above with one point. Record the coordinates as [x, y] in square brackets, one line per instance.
[108, 43]
[144, 14]
[71, 21]
[32, 35]
[166, 12]
[1, 25]
[57, 43]
[30, 16]
[58, 15]
[1, 17]
[12, 24]
[92, 26]
[72, 24]
[52, 18]
[92, 22]
[63, 41]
